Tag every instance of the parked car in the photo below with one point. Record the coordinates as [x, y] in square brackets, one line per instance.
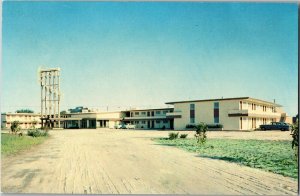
[121, 126]
[129, 126]
[275, 126]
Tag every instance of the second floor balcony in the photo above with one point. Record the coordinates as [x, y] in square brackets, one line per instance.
[253, 113]
[175, 114]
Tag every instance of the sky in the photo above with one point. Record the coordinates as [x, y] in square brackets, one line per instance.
[142, 54]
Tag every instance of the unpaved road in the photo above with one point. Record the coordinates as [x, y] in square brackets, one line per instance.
[124, 162]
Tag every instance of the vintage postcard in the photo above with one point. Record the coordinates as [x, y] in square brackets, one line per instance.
[149, 98]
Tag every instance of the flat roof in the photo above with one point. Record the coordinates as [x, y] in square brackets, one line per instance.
[148, 109]
[226, 99]
[14, 113]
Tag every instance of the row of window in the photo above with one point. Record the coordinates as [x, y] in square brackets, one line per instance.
[157, 121]
[254, 120]
[156, 112]
[24, 123]
[253, 106]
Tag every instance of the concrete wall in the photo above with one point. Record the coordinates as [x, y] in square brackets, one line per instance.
[204, 112]
[109, 115]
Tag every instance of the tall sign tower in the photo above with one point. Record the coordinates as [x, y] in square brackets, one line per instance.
[50, 97]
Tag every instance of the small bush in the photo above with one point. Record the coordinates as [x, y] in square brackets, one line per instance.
[295, 135]
[201, 133]
[211, 126]
[15, 127]
[37, 133]
[173, 135]
[163, 127]
[190, 126]
[183, 136]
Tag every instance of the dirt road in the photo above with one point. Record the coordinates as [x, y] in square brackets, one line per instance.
[124, 162]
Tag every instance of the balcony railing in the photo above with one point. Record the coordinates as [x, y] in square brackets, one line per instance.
[173, 115]
[253, 113]
[238, 113]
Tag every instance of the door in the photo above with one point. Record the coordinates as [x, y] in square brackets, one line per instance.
[172, 123]
[152, 123]
[148, 123]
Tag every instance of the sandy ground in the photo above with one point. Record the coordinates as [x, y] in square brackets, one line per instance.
[124, 162]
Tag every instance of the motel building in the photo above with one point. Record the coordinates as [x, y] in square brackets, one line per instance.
[27, 120]
[240, 113]
[142, 119]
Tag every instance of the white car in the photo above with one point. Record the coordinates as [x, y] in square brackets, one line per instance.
[121, 126]
[129, 126]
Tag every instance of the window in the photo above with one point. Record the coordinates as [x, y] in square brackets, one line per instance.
[143, 122]
[241, 123]
[253, 106]
[192, 113]
[165, 121]
[165, 111]
[136, 122]
[136, 113]
[216, 120]
[158, 121]
[157, 112]
[216, 105]
[192, 106]
[192, 120]
[143, 113]
[216, 112]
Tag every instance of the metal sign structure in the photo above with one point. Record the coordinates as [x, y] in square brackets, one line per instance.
[50, 97]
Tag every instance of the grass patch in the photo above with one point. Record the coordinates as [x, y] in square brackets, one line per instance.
[274, 156]
[12, 144]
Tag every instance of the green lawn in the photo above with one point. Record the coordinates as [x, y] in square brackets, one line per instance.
[12, 144]
[273, 156]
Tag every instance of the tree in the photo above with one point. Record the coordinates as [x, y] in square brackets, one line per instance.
[295, 135]
[15, 127]
[24, 111]
[34, 122]
[63, 112]
[201, 133]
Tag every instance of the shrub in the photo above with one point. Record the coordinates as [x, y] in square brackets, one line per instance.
[190, 126]
[15, 127]
[183, 135]
[163, 127]
[201, 133]
[173, 135]
[37, 133]
[212, 126]
[295, 135]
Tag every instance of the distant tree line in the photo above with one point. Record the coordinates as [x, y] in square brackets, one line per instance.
[24, 111]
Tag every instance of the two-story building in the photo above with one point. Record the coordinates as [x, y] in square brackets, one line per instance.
[239, 113]
[142, 119]
[26, 120]
[149, 118]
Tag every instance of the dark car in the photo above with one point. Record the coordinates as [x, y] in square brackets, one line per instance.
[275, 126]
